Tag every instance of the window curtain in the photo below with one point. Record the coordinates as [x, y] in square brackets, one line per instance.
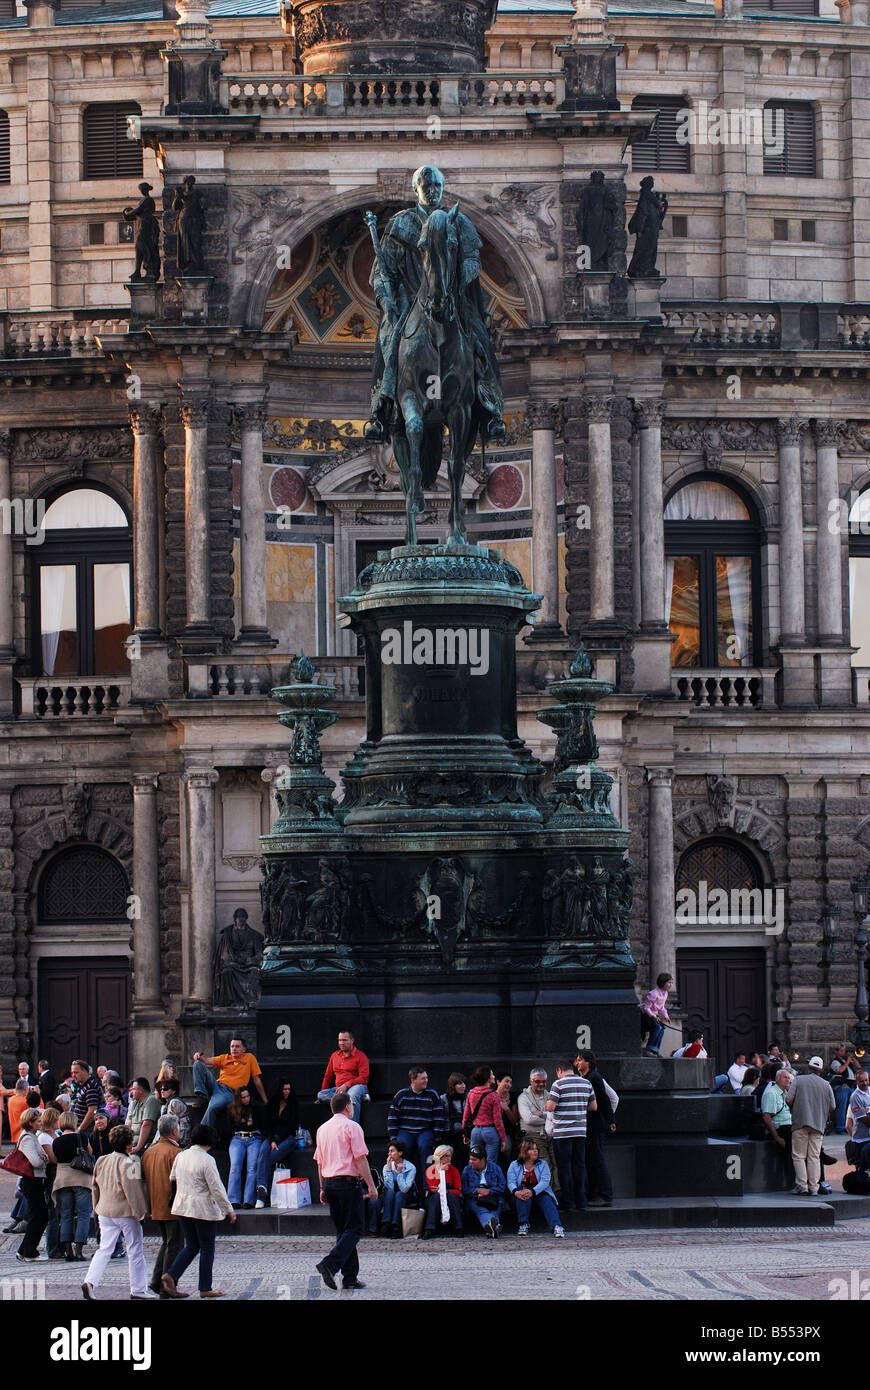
[57, 609]
[706, 500]
[738, 582]
[669, 586]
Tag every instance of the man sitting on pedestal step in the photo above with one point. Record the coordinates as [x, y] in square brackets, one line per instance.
[416, 1116]
[346, 1070]
[235, 1068]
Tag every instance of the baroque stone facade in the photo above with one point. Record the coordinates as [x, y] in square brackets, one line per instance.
[223, 415]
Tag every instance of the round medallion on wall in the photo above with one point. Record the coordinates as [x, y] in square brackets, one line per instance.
[287, 489]
[505, 487]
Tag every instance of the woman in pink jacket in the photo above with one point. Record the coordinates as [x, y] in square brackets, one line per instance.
[483, 1114]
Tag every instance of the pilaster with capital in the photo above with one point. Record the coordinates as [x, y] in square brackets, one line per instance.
[251, 417]
[601, 540]
[146, 879]
[660, 867]
[790, 430]
[195, 413]
[7, 617]
[648, 417]
[199, 783]
[829, 544]
[146, 419]
[541, 416]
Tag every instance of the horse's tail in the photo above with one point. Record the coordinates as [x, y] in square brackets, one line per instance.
[430, 454]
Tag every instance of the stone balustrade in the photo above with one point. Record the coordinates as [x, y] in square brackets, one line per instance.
[853, 325]
[728, 687]
[74, 697]
[861, 684]
[340, 95]
[54, 335]
[234, 679]
[745, 326]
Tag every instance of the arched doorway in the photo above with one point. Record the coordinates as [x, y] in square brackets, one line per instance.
[83, 971]
[722, 967]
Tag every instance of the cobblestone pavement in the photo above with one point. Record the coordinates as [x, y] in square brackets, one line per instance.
[752, 1265]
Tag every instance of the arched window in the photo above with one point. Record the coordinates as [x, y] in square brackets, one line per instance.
[714, 867]
[83, 884]
[5, 159]
[107, 151]
[790, 139]
[661, 149]
[859, 579]
[81, 586]
[712, 564]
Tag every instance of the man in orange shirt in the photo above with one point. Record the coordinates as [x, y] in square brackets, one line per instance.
[15, 1108]
[235, 1068]
[347, 1070]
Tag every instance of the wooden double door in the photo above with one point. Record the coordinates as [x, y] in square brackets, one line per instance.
[724, 993]
[84, 1011]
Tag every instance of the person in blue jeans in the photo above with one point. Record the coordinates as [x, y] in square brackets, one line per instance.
[416, 1116]
[655, 1015]
[528, 1182]
[247, 1123]
[483, 1190]
[398, 1191]
[281, 1123]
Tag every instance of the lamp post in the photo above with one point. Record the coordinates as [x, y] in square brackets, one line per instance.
[860, 894]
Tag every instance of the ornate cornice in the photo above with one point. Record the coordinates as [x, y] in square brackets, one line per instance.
[659, 776]
[711, 437]
[71, 446]
[200, 776]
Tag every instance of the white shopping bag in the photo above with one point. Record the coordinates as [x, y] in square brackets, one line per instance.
[289, 1194]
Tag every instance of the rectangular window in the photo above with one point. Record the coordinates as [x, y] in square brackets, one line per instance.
[57, 607]
[108, 153]
[679, 226]
[96, 234]
[734, 610]
[683, 608]
[664, 148]
[790, 139]
[780, 229]
[859, 608]
[111, 618]
[808, 229]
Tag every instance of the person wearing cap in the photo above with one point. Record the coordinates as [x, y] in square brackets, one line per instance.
[812, 1102]
[483, 1190]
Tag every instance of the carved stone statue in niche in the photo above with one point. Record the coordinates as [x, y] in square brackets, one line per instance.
[596, 889]
[646, 224]
[283, 906]
[189, 203]
[147, 235]
[597, 220]
[237, 964]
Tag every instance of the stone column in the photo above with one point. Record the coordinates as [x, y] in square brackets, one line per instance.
[541, 416]
[146, 878]
[660, 869]
[251, 418]
[195, 411]
[829, 545]
[791, 532]
[7, 584]
[598, 409]
[199, 783]
[146, 420]
[651, 505]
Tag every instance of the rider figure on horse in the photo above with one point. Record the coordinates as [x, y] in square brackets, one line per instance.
[396, 295]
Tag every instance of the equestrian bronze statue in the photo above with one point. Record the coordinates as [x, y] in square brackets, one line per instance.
[435, 365]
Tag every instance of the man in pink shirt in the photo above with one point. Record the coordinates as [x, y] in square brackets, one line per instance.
[343, 1168]
[346, 1070]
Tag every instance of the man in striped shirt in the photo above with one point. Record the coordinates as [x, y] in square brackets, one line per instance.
[571, 1097]
[416, 1117]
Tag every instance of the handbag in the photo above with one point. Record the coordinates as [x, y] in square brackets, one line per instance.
[16, 1162]
[82, 1161]
[412, 1221]
[469, 1123]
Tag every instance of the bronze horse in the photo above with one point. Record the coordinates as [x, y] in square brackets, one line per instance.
[435, 380]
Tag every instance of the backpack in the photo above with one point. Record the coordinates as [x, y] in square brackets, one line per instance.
[857, 1184]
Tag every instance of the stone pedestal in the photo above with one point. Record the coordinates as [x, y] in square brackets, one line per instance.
[447, 900]
[645, 297]
[194, 297]
[146, 302]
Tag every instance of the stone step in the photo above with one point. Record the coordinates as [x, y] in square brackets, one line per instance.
[655, 1213]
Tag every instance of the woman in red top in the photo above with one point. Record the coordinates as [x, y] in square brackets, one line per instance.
[483, 1112]
[444, 1198]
